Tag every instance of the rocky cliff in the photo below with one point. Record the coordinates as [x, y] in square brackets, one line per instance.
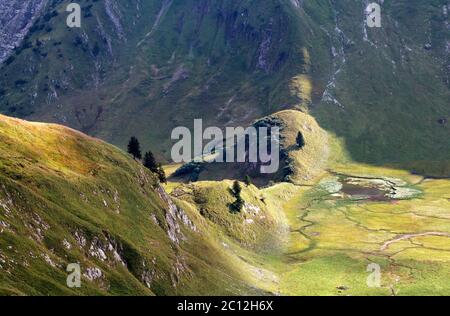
[16, 18]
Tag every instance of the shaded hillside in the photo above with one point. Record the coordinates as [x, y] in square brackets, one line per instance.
[298, 165]
[171, 60]
[392, 87]
[144, 67]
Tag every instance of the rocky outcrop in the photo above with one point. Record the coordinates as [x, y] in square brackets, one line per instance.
[173, 216]
[16, 18]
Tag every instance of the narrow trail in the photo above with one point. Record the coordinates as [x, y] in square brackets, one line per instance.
[411, 236]
[165, 7]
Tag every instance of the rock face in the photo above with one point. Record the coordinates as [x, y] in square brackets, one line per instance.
[173, 215]
[16, 18]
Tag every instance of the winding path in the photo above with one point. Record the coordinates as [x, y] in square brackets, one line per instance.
[409, 236]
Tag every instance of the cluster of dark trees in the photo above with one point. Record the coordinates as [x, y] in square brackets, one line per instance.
[236, 206]
[149, 161]
[300, 140]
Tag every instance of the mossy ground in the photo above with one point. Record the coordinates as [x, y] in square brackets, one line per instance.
[333, 242]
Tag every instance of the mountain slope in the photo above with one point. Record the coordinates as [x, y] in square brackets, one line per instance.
[16, 18]
[129, 64]
[361, 97]
[392, 84]
[142, 68]
[68, 198]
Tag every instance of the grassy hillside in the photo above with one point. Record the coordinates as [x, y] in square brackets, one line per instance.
[372, 105]
[142, 69]
[68, 198]
[391, 85]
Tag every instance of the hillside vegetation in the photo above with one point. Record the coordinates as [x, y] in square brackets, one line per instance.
[68, 198]
[384, 91]
[86, 202]
[369, 186]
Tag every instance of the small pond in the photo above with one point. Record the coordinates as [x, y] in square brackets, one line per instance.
[367, 189]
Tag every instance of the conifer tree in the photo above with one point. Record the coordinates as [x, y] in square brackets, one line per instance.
[153, 166]
[134, 148]
[248, 180]
[300, 140]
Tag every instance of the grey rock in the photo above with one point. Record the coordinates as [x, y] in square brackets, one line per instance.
[16, 19]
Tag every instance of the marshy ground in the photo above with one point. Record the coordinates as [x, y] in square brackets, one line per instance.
[348, 220]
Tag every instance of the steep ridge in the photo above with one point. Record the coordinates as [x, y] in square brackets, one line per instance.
[296, 165]
[67, 198]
